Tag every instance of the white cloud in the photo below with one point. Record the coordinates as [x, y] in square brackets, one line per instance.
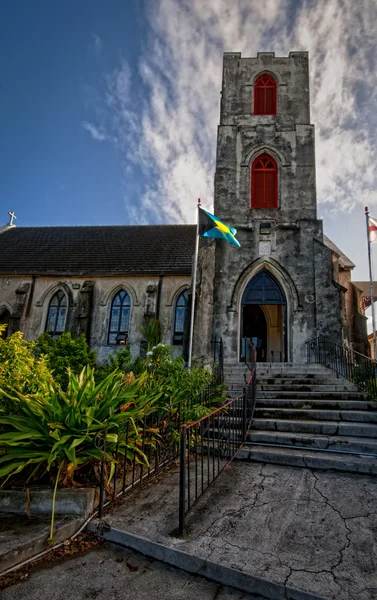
[95, 45]
[97, 134]
[170, 130]
[341, 41]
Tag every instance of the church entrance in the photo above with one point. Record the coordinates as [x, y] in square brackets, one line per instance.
[263, 318]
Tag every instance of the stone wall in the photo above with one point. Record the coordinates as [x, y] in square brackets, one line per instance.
[89, 304]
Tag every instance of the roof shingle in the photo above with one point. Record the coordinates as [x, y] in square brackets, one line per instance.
[119, 249]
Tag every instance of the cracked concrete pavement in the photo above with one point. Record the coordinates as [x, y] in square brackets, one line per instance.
[312, 530]
[114, 574]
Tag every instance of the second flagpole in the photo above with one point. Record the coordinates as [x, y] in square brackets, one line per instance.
[371, 285]
[194, 288]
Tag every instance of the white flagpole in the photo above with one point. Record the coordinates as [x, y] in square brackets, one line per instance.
[371, 285]
[194, 288]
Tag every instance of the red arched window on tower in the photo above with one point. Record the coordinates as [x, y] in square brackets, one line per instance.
[264, 182]
[265, 95]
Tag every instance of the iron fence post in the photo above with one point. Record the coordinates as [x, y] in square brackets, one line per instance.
[244, 421]
[182, 479]
[102, 476]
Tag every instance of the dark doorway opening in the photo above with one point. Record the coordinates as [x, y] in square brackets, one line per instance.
[254, 328]
[264, 318]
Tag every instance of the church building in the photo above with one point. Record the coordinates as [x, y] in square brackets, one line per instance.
[285, 285]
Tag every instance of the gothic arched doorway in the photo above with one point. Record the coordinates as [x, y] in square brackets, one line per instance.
[264, 317]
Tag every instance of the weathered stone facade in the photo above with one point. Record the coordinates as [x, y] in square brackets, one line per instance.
[287, 241]
[89, 305]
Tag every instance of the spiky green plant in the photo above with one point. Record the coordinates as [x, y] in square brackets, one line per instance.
[151, 332]
[57, 431]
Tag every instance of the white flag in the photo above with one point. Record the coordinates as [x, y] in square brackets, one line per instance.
[372, 230]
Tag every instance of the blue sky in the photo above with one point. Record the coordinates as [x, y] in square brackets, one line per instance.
[109, 109]
[54, 58]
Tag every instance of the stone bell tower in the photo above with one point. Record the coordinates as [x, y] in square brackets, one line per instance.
[277, 289]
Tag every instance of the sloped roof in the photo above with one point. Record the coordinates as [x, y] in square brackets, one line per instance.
[122, 249]
[344, 261]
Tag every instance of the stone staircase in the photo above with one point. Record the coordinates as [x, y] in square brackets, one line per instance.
[307, 416]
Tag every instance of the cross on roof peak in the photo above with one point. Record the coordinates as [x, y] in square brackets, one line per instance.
[11, 217]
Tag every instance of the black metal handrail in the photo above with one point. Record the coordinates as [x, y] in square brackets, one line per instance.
[209, 445]
[157, 437]
[357, 368]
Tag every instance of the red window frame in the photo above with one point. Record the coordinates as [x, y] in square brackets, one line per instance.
[264, 182]
[265, 95]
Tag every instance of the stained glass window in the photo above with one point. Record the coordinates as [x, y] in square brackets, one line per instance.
[57, 314]
[179, 318]
[119, 318]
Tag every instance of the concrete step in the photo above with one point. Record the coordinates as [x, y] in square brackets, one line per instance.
[359, 445]
[307, 388]
[300, 380]
[279, 369]
[311, 459]
[292, 380]
[316, 414]
[295, 395]
[319, 427]
[319, 403]
[295, 373]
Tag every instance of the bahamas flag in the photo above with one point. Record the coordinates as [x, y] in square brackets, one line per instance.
[210, 226]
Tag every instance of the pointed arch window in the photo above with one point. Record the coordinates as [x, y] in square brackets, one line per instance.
[264, 182]
[119, 318]
[265, 95]
[179, 318]
[57, 314]
[4, 320]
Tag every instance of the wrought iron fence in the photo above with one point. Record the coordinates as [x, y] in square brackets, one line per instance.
[143, 448]
[209, 445]
[357, 368]
[156, 438]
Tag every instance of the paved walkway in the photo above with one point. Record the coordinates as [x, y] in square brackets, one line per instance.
[311, 530]
[115, 574]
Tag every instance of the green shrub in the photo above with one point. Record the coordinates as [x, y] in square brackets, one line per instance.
[151, 332]
[63, 352]
[56, 431]
[179, 387]
[20, 370]
[119, 360]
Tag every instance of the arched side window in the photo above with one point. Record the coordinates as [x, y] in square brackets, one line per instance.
[57, 314]
[265, 95]
[264, 182]
[119, 318]
[4, 320]
[179, 318]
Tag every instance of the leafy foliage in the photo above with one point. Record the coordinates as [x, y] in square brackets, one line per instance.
[120, 360]
[65, 430]
[63, 352]
[151, 331]
[57, 430]
[178, 387]
[20, 370]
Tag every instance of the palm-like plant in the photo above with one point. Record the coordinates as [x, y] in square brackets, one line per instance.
[57, 430]
[151, 331]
